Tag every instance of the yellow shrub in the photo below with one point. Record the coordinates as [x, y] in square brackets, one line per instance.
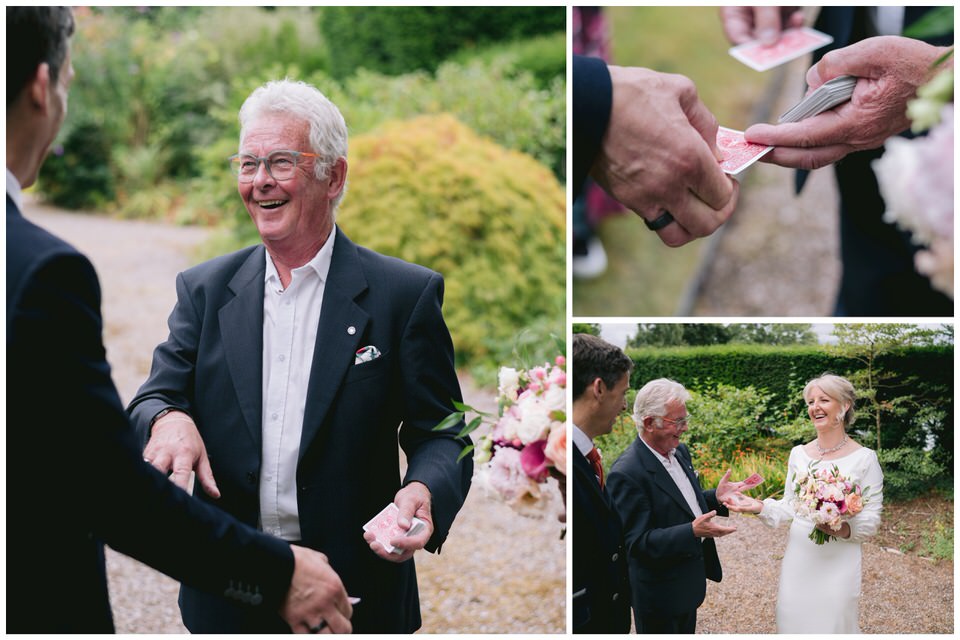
[491, 220]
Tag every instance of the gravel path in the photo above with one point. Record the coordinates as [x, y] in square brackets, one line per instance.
[900, 593]
[498, 573]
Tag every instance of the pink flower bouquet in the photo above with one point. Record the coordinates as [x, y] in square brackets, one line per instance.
[825, 496]
[527, 444]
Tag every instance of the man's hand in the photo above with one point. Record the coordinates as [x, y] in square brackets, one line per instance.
[739, 503]
[316, 596]
[743, 24]
[176, 446]
[412, 500]
[660, 154]
[705, 527]
[725, 486]
[889, 68]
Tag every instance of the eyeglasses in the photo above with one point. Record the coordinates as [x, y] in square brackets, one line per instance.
[679, 422]
[280, 164]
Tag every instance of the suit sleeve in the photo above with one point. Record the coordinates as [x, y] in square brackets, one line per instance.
[592, 101]
[102, 483]
[429, 385]
[634, 503]
[173, 369]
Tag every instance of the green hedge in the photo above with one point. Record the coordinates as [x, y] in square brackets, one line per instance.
[395, 40]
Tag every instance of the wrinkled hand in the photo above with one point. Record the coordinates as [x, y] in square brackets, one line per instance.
[705, 527]
[739, 503]
[725, 486]
[889, 68]
[660, 153]
[412, 500]
[842, 532]
[316, 595]
[176, 446]
[743, 24]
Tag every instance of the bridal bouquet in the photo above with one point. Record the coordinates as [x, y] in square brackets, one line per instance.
[526, 445]
[826, 496]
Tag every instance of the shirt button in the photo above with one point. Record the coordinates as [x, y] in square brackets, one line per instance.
[274, 416]
[282, 358]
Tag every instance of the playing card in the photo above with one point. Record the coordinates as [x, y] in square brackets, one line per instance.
[792, 44]
[752, 481]
[738, 154]
[826, 96]
[384, 526]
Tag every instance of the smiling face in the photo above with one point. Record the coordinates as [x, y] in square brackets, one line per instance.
[825, 411]
[666, 435]
[291, 215]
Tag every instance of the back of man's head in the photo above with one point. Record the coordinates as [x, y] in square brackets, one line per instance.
[595, 358]
[35, 35]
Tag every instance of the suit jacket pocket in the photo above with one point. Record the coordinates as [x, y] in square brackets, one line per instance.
[371, 369]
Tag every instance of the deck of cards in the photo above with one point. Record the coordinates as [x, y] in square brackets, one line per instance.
[792, 44]
[738, 154]
[828, 95]
[385, 528]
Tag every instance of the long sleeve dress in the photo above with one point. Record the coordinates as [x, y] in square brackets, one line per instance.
[820, 584]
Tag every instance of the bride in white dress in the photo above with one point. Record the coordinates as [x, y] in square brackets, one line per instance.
[820, 584]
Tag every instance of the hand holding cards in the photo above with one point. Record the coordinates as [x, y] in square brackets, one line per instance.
[738, 154]
[826, 96]
[385, 528]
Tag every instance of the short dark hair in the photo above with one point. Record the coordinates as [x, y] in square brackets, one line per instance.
[35, 35]
[595, 358]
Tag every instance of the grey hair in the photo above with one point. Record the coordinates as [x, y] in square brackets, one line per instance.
[328, 130]
[838, 388]
[653, 398]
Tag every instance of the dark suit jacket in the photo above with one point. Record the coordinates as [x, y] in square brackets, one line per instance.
[75, 476]
[601, 590]
[348, 470]
[668, 565]
[592, 100]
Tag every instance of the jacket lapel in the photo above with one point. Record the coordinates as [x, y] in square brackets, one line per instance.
[241, 323]
[342, 326]
[660, 476]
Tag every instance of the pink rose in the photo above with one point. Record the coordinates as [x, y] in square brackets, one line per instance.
[560, 361]
[556, 449]
[854, 504]
[534, 461]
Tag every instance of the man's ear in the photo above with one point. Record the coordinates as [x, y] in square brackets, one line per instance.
[338, 178]
[38, 88]
[598, 388]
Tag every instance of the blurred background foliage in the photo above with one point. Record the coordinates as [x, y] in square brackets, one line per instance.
[475, 191]
[644, 277]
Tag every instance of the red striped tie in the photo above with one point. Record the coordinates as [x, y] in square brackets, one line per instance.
[594, 457]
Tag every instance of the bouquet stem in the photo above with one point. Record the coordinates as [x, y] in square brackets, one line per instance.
[819, 537]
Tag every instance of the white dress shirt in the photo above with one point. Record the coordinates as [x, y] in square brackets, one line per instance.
[679, 476]
[582, 441]
[14, 190]
[290, 320]
[887, 21]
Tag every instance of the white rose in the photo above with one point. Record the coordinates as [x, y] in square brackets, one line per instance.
[508, 383]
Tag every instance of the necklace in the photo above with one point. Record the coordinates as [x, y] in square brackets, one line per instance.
[824, 452]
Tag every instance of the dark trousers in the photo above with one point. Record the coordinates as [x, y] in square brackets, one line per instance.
[656, 623]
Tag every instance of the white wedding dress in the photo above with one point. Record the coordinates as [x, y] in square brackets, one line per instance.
[820, 584]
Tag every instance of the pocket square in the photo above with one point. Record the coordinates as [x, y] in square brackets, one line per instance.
[366, 354]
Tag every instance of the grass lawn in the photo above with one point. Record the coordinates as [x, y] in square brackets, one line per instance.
[645, 278]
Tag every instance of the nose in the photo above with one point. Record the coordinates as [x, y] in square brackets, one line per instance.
[262, 177]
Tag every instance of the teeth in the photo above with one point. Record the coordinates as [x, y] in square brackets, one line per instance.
[271, 203]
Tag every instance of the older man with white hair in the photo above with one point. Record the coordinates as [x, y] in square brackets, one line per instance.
[668, 519]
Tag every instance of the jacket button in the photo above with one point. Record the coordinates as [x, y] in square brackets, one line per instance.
[614, 557]
[251, 477]
[616, 597]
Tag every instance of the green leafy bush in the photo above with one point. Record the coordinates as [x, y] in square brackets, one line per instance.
[726, 418]
[395, 40]
[430, 191]
[543, 56]
[910, 472]
[76, 174]
[711, 464]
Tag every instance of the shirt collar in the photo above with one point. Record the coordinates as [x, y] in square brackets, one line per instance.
[320, 263]
[665, 459]
[582, 440]
[14, 190]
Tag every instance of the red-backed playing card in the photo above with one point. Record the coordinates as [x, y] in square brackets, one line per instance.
[385, 528]
[752, 481]
[738, 154]
[793, 43]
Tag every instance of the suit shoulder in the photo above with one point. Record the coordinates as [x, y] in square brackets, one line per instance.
[395, 270]
[30, 248]
[220, 268]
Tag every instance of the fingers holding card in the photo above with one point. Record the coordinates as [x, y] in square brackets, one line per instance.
[389, 540]
[738, 154]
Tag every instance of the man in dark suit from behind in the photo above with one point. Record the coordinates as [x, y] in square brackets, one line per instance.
[667, 517]
[601, 592]
[75, 478]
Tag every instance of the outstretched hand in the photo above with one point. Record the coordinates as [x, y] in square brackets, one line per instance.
[705, 527]
[743, 24]
[176, 448]
[739, 503]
